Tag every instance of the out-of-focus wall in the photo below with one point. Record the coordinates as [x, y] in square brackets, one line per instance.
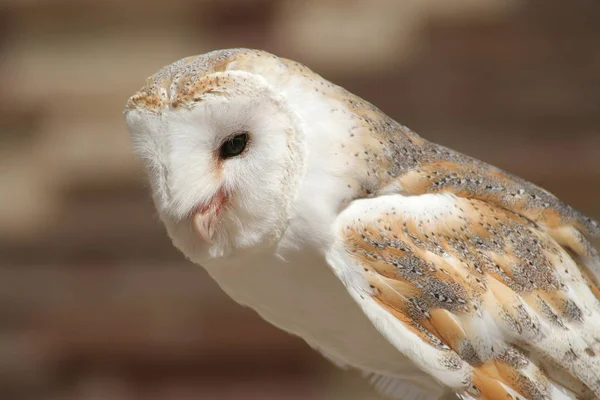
[94, 301]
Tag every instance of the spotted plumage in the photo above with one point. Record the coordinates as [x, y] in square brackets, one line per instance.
[456, 277]
[446, 266]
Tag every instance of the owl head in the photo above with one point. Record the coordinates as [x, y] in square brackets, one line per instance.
[223, 149]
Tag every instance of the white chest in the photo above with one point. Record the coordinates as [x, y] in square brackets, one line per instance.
[303, 297]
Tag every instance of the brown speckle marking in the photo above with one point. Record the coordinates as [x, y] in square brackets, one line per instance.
[435, 273]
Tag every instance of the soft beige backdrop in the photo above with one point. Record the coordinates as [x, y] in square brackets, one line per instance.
[95, 304]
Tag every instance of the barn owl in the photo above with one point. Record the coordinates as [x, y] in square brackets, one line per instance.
[432, 272]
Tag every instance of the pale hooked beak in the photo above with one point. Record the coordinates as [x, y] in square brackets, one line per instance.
[206, 217]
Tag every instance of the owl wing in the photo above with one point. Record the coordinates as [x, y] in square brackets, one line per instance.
[451, 172]
[491, 304]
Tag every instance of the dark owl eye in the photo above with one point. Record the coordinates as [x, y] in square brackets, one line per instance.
[234, 145]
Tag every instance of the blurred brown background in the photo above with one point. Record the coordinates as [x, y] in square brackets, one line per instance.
[95, 304]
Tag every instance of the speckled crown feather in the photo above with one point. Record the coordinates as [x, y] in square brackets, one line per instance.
[184, 81]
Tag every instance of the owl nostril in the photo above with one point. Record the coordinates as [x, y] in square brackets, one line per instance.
[215, 204]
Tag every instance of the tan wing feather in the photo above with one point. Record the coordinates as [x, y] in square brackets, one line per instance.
[495, 288]
[470, 178]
